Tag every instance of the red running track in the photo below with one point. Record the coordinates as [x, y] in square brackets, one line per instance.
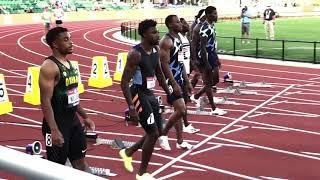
[269, 135]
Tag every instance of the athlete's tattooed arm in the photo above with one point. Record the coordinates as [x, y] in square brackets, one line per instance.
[48, 78]
[165, 46]
[134, 57]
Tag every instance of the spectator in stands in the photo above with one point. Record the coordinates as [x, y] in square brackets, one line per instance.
[245, 24]
[46, 17]
[58, 14]
[269, 21]
[2, 10]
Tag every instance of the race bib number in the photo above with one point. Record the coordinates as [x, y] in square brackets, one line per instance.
[184, 58]
[48, 140]
[73, 97]
[151, 82]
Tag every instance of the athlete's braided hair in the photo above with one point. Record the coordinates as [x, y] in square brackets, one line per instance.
[53, 33]
[199, 14]
[145, 25]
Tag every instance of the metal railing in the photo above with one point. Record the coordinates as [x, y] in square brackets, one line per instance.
[286, 50]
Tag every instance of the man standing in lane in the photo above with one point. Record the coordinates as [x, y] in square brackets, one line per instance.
[185, 59]
[208, 59]
[60, 103]
[177, 78]
[245, 25]
[142, 66]
[269, 17]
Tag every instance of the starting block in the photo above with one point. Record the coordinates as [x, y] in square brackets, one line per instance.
[223, 100]
[244, 84]
[236, 91]
[199, 111]
[101, 171]
[115, 144]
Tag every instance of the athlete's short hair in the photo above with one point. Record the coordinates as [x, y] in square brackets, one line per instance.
[210, 9]
[145, 25]
[199, 14]
[182, 19]
[168, 19]
[53, 33]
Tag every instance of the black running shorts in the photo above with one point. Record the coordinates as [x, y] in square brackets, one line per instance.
[75, 144]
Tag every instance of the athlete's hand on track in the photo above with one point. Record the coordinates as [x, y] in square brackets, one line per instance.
[57, 138]
[89, 124]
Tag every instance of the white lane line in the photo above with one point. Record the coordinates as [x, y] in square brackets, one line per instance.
[169, 176]
[205, 150]
[303, 103]
[21, 124]
[274, 126]
[309, 84]
[24, 118]
[228, 145]
[311, 153]
[42, 40]
[20, 95]
[219, 132]
[272, 70]
[29, 63]
[268, 128]
[314, 78]
[111, 30]
[269, 148]
[277, 102]
[189, 168]
[290, 93]
[272, 178]
[27, 108]
[19, 75]
[19, 92]
[18, 70]
[104, 113]
[297, 113]
[258, 114]
[85, 37]
[235, 130]
[105, 94]
[19, 85]
[91, 156]
[206, 167]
